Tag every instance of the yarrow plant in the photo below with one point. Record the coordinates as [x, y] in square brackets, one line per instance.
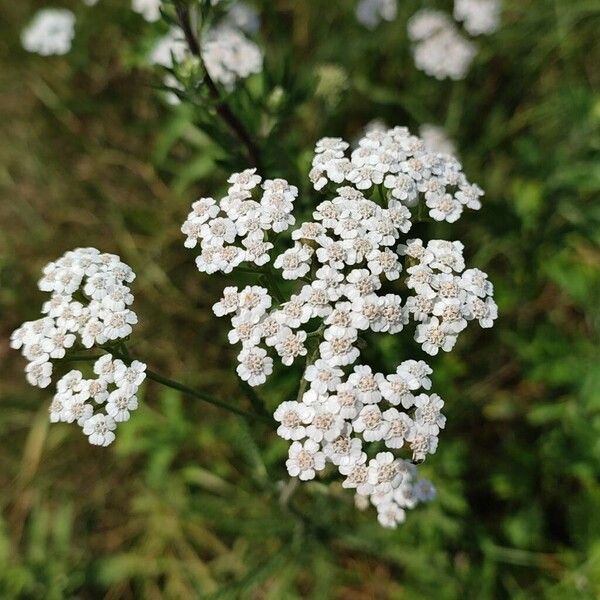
[89, 306]
[348, 272]
[356, 243]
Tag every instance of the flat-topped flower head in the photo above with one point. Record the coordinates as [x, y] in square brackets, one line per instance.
[337, 283]
[50, 32]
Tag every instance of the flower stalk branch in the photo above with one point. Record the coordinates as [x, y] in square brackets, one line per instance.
[223, 109]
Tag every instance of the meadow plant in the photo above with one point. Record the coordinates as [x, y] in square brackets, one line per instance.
[349, 272]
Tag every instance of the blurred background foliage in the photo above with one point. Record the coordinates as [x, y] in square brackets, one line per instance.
[191, 502]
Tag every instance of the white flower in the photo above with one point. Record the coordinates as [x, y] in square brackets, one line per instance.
[149, 9]
[469, 195]
[331, 252]
[308, 231]
[432, 336]
[218, 231]
[371, 12]
[294, 262]
[338, 348]
[327, 423]
[255, 366]
[476, 282]
[479, 16]
[99, 429]
[96, 389]
[344, 320]
[293, 416]
[366, 384]
[305, 459]
[343, 450]
[290, 345]
[384, 262]
[105, 367]
[357, 475]
[119, 404]
[129, 378]
[229, 55]
[385, 472]
[392, 316]
[436, 139]
[229, 303]
[422, 443]
[346, 396]
[244, 181]
[361, 282]
[400, 428]
[50, 32]
[439, 48]
[397, 387]
[484, 311]
[245, 330]
[323, 377]
[39, 374]
[424, 490]
[444, 207]
[390, 515]
[427, 414]
[371, 424]
[75, 409]
[450, 311]
[70, 383]
[419, 370]
[293, 313]
[445, 256]
[369, 308]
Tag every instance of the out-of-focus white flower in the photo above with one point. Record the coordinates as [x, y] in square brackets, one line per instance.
[439, 49]
[50, 32]
[436, 139]
[244, 17]
[480, 17]
[149, 9]
[371, 12]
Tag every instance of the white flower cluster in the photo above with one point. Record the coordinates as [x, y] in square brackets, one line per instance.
[439, 49]
[444, 301]
[89, 299]
[480, 17]
[229, 55]
[343, 258]
[115, 387]
[227, 52]
[50, 32]
[370, 13]
[404, 168]
[234, 230]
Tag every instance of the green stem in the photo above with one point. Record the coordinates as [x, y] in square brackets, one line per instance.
[176, 385]
[203, 396]
[222, 108]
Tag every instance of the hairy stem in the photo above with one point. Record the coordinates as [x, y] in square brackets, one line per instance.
[223, 109]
